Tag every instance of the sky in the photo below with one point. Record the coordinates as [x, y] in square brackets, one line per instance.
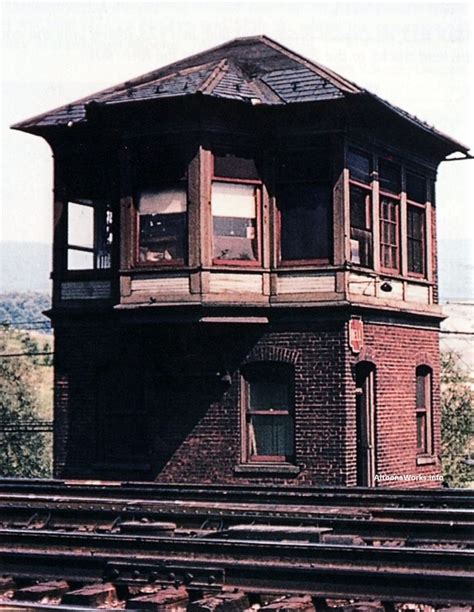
[417, 55]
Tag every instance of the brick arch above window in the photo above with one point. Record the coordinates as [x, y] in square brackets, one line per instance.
[366, 354]
[273, 353]
[424, 360]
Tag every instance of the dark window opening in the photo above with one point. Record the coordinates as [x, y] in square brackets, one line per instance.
[389, 234]
[305, 221]
[268, 407]
[361, 226]
[423, 411]
[360, 166]
[389, 176]
[416, 239]
[416, 188]
[241, 166]
[89, 235]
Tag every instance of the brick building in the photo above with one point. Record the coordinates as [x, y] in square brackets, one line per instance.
[244, 276]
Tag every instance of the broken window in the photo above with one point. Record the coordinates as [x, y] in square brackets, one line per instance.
[162, 224]
[416, 224]
[162, 232]
[235, 198]
[360, 178]
[423, 410]
[304, 199]
[89, 235]
[269, 429]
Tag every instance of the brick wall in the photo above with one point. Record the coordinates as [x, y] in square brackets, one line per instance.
[192, 417]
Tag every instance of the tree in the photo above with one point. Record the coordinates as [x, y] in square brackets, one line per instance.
[23, 449]
[456, 422]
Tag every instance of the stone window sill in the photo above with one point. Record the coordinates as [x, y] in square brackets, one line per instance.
[267, 469]
[425, 460]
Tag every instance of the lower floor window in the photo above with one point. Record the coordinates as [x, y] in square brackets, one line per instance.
[268, 413]
[423, 411]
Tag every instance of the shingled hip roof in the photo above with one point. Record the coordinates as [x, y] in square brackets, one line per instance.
[255, 70]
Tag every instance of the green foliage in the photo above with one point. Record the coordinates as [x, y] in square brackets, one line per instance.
[456, 422]
[24, 452]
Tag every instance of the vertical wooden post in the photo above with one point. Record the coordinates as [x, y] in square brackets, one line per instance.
[376, 216]
[59, 223]
[403, 235]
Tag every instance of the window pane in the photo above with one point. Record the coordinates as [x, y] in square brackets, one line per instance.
[80, 260]
[389, 176]
[306, 214]
[420, 391]
[416, 239]
[271, 435]
[268, 396]
[235, 222]
[162, 221]
[80, 225]
[360, 166]
[416, 188]
[421, 431]
[233, 166]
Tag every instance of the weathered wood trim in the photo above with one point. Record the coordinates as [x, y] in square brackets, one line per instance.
[376, 222]
[127, 216]
[339, 240]
[194, 210]
[429, 235]
[206, 165]
[402, 230]
[59, 225]
[346, 225]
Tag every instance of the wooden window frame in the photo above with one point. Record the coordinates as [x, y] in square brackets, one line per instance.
[246, 413]
[396, 199]
[420, 206]
[258, 184]
[94, 250]
[163, 264]
[426, 411]
[369, 213]
[288, 263]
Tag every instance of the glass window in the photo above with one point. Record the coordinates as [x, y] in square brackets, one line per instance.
[389, 233]
[234, 213]
[416, 239]
[416, 188]
[229, 165]
[361, 226]
[162, 224]
[305, 221]
[89, 235]
[423, 410]
[360, 166]
[269, 419]
[389, 176]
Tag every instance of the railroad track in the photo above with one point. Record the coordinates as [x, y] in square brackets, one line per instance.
[395, 546]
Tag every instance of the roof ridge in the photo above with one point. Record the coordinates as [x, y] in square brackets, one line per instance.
[215, 77]
[336, 79]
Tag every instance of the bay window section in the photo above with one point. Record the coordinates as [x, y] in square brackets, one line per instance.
[89, 234]
[235, 202]
[360, 190]
[268, 413]
[390, 186]
[416, 224]
[162, 226]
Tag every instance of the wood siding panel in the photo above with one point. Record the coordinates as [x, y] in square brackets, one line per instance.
[235, 283]
[86, 290]
[170, 284]
[306, 283]
[417, 293]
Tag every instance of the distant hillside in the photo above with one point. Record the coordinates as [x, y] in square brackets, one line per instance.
[25, 310]
[25, 266]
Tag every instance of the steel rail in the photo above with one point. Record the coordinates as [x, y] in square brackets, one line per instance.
[339, 579]
[443, 498]
[68, 514]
